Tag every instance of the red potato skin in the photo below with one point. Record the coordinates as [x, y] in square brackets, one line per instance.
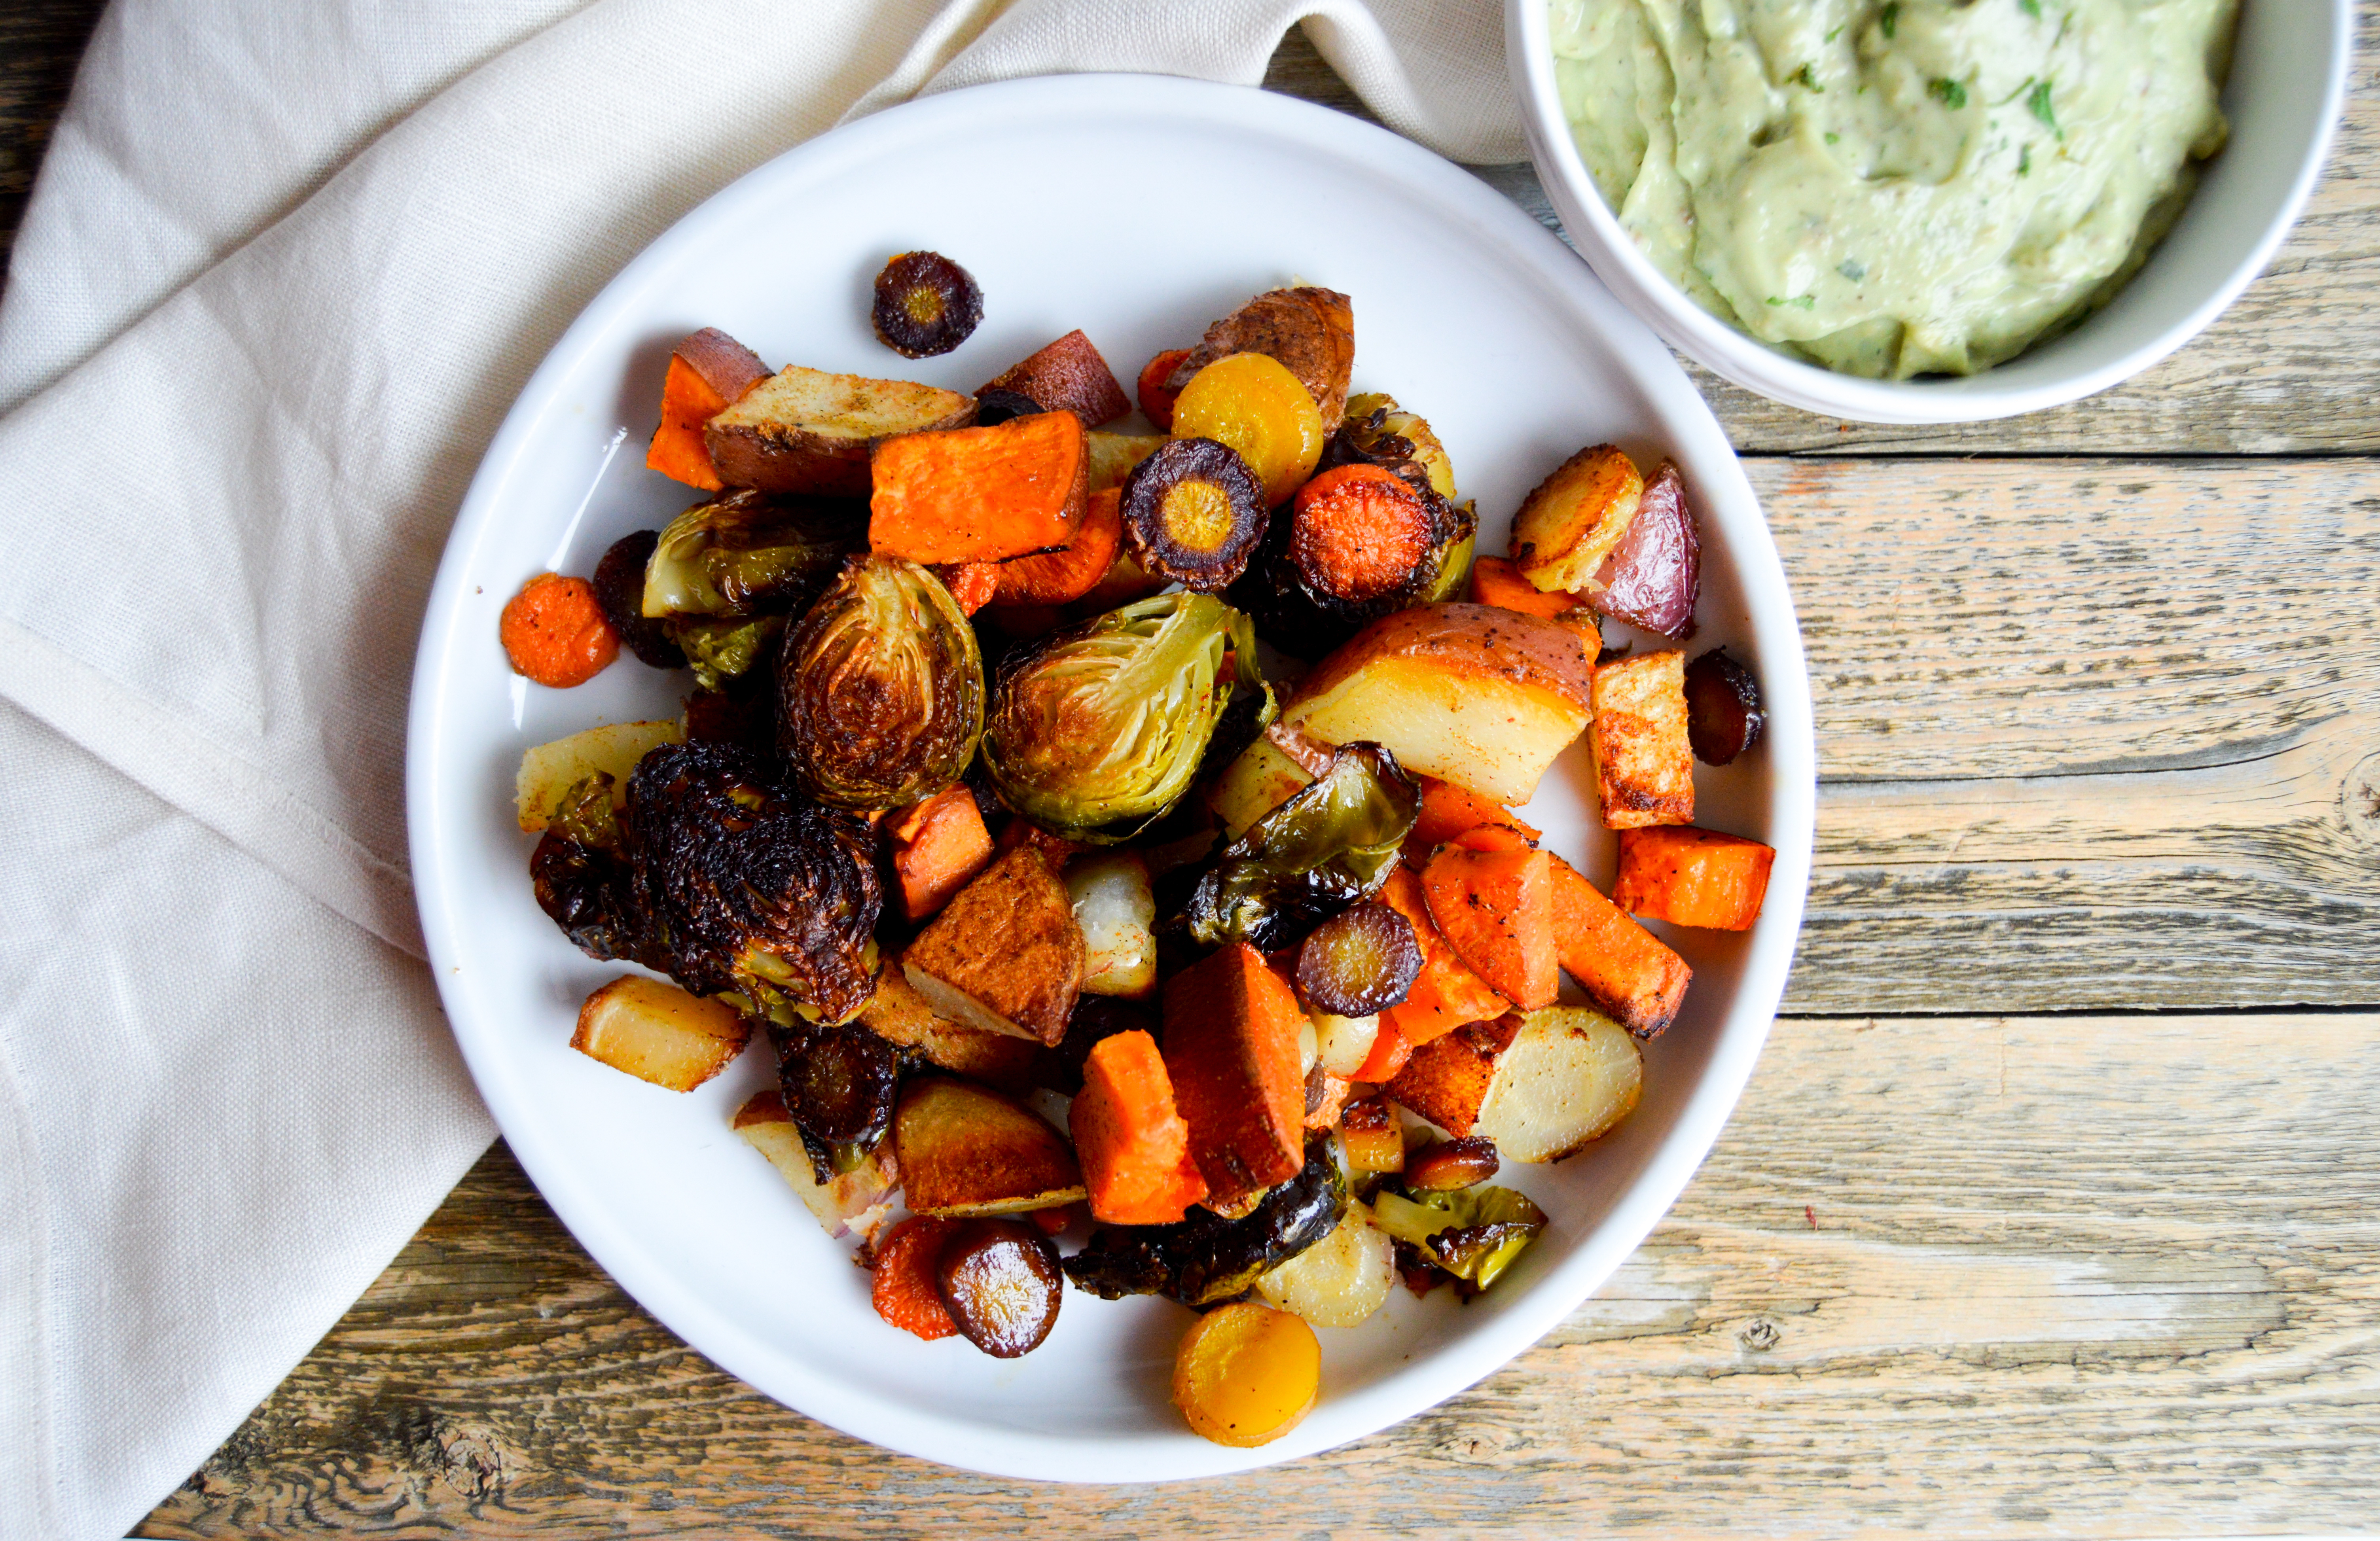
[1067, 376]
[1655, 575]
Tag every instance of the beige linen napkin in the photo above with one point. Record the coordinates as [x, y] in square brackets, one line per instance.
[284, 270]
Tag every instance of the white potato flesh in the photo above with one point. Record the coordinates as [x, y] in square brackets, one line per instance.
[1259, 781]
[1487, 736]
[551, 770]
[659, 1033]
[1570, 1075]
[1343, 1043]
[1118, 915]
[1341, 1279]
[856, 1202]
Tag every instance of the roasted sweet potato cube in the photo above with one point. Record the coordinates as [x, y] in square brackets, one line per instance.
[1448, 810]
[1446, 994]
[1231, 1049]
[1067, 376]
[1692, 876]
[856, 1202]
[1006, 956]
[898, 1014]
[980, 494]
[1496, 909]
[939, 846]
[1631, 975]
[1130, 1137]
[966, 1149]
[657, 1032]
[708, 372]
[1447, 1079]
[1643, 761]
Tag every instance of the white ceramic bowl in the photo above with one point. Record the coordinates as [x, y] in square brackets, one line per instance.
[1052, 193]
[2288, 78]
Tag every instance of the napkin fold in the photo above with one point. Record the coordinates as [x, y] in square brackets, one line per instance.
[284, 269]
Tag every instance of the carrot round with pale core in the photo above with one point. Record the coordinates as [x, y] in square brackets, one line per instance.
[554, 632]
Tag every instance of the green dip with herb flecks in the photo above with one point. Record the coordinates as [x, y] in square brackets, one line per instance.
[1894, 187]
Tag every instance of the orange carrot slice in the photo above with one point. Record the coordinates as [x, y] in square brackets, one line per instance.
[554, 632]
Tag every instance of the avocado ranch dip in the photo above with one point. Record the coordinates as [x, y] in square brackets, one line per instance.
[1892, 188]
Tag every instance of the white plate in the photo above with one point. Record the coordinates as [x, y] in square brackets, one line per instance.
[1137, 209]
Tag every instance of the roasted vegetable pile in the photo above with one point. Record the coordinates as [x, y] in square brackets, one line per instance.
[1110, 832]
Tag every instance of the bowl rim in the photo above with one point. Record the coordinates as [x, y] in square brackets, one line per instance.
[1743, 360]
[1738, 1035]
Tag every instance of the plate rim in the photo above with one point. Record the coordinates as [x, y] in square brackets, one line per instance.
[1431, 1378]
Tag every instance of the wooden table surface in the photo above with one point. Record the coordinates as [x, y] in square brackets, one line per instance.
[2053, 1207]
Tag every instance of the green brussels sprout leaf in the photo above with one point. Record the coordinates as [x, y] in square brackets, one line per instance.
[1473, 1233]
[880, 695]
[1330, 844]
[1095, 735]
[744, 553]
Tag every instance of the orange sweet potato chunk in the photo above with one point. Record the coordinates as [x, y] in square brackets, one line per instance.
[938, 847]
[1231, 1049]
[1692, 877]
[1446, 994]
[980, 494]
[1496, 909]
[1632, 976]
[1132, 1142]
[707, 373]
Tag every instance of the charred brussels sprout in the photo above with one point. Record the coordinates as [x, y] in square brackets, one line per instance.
[758, 892]
[838, 1086]
[880, 691]
[585, 879]
[748, 553]
[1471, 1233]
[1098, 732]
[1206, 1258]
[1330, 844]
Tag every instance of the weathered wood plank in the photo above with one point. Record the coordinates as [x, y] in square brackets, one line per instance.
[39, 44]
[2290, 369]
[1983, 1276]
[2090, 734]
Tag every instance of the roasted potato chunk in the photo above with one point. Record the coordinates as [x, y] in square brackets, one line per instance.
[805, 431]
[1575, 518]
[968, 1150]
[659, 1033]
[1644, 757]
[1540, 1087]
[549, 770]
[856, 1203]
[1006, 956]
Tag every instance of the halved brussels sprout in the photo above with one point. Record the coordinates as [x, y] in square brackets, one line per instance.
[747, 554]
[1329, 844]
[1095, 733]
[723, 648]
[1473, 1233]
[880, 691]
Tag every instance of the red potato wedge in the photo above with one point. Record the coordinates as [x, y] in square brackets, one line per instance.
[805, 431]
[1692, 876]
[1644, 758]
[980, 494]
[898, 1014]
[657, 1032]
[856, 1203]
[1232, 1028]
[1577, 517]
[1655, 576]
[708, 372]
[1006, 956]
[1631, 975]
[1484, 698]
[1496, 909]
[1067, 376]
[966, 1149]
[1117, 912]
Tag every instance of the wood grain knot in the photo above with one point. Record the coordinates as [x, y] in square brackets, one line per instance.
[1761, 1336]
[472, 1461]
[2359, 799]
